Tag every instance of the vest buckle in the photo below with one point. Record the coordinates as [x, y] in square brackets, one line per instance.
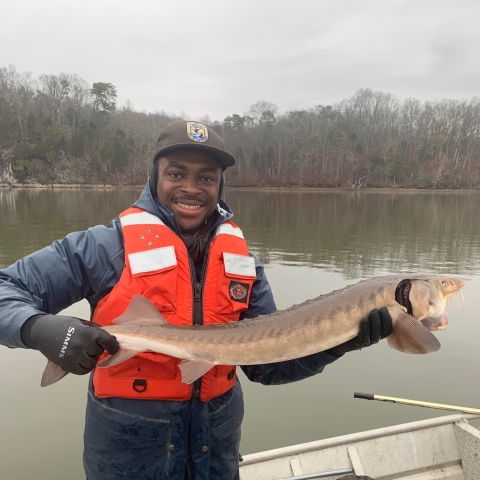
[139, 385]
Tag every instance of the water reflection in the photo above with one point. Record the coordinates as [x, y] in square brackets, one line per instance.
[353, 233]
[360, 234]
[310, 243]
[30, 219]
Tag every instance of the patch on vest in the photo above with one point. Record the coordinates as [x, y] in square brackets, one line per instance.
[238, 291]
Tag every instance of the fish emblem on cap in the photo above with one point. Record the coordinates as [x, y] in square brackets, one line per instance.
[197, 131]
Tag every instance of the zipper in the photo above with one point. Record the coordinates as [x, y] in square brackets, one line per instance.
[197, 288]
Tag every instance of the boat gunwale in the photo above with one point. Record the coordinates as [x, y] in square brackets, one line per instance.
[353, 438]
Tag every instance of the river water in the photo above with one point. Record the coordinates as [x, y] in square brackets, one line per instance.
[310, 243]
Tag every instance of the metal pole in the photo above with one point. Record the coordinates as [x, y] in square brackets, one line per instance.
[319, 474]
[416, 403]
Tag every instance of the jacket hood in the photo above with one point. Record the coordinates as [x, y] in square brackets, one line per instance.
[152, 204]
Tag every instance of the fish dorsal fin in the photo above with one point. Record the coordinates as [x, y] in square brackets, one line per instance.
[140, 312]
[52, 374]
[120, 356]
[410, 336]
[193, 369]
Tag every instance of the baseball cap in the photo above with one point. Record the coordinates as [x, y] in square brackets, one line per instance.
[188, 134]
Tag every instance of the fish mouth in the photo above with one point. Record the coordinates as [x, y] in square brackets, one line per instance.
[438, 323]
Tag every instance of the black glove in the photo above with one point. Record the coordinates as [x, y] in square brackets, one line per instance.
[372, 329]
[72, 343]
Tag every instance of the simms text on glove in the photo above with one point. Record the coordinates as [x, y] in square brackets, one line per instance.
[72, 343]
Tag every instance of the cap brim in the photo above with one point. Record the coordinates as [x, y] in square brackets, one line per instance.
[224, 158]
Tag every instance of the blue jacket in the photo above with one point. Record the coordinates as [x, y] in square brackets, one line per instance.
[87, 265]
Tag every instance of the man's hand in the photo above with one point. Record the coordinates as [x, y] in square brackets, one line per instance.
[72, 343]
[372, 329]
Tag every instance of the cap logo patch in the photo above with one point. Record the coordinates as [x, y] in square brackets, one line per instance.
[197, 131]
[238, 291]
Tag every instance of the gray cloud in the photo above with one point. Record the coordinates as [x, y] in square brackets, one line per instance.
[217, 57]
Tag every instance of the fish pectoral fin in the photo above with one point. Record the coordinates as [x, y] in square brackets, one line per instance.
[52, 374]
[141, 311]
[410, 336]
[193, 369]
[120, 356]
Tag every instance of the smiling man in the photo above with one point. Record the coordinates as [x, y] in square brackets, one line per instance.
[188, 185]
[178, 247]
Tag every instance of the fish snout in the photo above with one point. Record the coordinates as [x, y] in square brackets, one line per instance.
[454, 284]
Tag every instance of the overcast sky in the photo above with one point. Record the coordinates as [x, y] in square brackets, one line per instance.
[218, 57]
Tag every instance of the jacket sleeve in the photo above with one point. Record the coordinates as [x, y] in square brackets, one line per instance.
[81, 265]
[262, 303]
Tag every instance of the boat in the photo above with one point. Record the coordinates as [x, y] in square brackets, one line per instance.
[445, 447]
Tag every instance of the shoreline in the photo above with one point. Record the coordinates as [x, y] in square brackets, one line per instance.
[59, 186]
[79, 186]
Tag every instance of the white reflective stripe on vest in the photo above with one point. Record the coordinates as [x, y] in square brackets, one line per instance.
[151, 260]
[142, 218]
[239, 265]
[227, 229]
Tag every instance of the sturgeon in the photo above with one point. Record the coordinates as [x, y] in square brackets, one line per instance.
[417, 304]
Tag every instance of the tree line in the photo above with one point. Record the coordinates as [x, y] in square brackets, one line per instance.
[61, 129]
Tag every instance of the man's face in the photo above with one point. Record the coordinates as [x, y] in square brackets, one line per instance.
[188, 185]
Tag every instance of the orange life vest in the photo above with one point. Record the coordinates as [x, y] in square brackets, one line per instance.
[158, 267]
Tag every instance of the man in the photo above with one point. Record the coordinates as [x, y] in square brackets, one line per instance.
[178, 247]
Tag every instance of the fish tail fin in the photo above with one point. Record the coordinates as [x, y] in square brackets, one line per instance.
[410, 336]
[52, 374]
